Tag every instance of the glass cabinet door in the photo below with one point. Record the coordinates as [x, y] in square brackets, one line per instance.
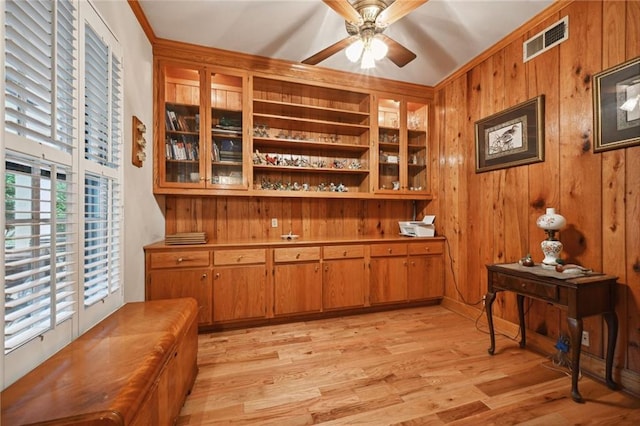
[226, 132]
[416, 146]
[388, 145]
[181, 156]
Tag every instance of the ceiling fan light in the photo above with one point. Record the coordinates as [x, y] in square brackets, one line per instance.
[368, 61]
[379, 49]
[354, 51]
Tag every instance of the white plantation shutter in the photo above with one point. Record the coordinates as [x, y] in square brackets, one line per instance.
[41, 237]
[102, 164]
[101, 238]
[39, 79]
[40, 248]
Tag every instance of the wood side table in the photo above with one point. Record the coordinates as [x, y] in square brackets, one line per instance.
[580, 295]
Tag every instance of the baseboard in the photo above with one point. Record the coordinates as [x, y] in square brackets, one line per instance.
[593, 366]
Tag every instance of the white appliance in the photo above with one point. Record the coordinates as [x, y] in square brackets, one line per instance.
[424, 228]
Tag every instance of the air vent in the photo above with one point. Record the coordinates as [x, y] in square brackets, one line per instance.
[546, 39]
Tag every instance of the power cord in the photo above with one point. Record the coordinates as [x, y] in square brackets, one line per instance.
[481, 301]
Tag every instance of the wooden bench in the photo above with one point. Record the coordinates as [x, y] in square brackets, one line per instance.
[135, 367]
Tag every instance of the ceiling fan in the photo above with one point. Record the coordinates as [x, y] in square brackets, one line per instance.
[366, 21]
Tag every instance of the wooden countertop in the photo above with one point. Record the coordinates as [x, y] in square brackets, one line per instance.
[277, 241]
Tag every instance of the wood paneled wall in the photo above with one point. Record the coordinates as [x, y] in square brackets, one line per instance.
[248, 218]
[490, 217]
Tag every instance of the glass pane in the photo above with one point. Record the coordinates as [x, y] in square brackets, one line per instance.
[389, 144]
[182, 125]
[226, 130]
[417, 146]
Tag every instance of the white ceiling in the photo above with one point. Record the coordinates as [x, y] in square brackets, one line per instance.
[444, 34]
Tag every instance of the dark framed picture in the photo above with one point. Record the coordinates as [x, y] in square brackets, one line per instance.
[512, 137]
[616, 107]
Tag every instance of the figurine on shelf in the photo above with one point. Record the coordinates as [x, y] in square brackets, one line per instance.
[259, 158]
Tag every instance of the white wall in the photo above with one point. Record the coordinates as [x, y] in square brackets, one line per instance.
[143, 219]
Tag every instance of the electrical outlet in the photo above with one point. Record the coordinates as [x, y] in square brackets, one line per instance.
[274, 222]
[585, 338]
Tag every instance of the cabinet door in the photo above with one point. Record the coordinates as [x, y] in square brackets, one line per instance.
[297, 288]
[239, 292]
[180, 148]
[388, 281]
[389, 143]
[425, 277]
[171, 284]
[227, 120]
[343, 283]
[416, 162]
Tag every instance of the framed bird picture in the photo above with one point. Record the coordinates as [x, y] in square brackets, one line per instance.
[512, 137]
[616, 105]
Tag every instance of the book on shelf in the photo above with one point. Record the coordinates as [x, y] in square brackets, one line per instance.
[215, 152]
[169, 121]
[173, 120]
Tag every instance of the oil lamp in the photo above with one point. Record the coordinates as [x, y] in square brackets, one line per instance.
[551, 222]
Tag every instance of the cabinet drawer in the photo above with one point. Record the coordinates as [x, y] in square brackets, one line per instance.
[426, 247]
[179, 259]
[399, 249]
[296, 254]
[530, 288]
[239, 256]
[342, 252]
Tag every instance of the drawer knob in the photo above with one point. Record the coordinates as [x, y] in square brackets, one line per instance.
[523, 285]
[298, 256]
[239, 258]
[344, 253]
[180, 260]
[390, 251]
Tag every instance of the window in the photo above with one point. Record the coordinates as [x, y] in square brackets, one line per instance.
[62, 167]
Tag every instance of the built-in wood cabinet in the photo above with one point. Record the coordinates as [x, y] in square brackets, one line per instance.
[388, 273]
[222, 131]
[200, 135]
[183, 273]
[425, 270]
[297, 280]
[344, 277]
[259, 282]
[402, 155]
[239, 284]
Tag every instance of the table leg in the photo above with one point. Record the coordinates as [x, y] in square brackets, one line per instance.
[575, 332]
[612, 330]
[523, 340]
[488, 300]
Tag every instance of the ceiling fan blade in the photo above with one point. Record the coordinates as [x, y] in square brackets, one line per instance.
[330, 51]
[345, 9]
[398, 54]
[397, 10]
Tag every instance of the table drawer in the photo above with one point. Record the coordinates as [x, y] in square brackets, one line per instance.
[296, 254]
[425, 247]
[537, 289]
[378, 250]
[343, 252]
[239, 256]
[180, 259]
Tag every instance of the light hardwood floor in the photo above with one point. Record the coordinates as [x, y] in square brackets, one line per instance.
[418, 366]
